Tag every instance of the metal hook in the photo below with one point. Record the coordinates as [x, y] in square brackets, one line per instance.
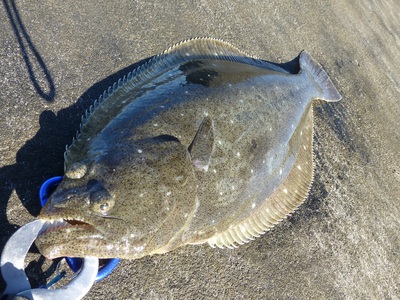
[12, 268]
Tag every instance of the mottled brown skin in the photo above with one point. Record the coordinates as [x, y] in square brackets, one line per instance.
[190, 150]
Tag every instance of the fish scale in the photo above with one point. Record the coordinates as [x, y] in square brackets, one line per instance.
[202, 144]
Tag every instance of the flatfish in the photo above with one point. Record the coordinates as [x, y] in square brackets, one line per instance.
[201, 144]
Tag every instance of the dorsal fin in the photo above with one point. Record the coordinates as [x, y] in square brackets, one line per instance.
[284, 201]
[122, 93]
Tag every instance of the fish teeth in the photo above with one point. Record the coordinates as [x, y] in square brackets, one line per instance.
[51, 225]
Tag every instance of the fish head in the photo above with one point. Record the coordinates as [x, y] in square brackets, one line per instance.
[129, 202]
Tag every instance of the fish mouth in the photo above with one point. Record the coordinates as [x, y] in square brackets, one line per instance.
[68, 224]
[60, 224]
[77, 236]
[72, 233]
[67, 237]
[63, 218]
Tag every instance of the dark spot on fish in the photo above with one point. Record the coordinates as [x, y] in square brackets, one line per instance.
[195, 73]
[166, 138]
[92, 183]
[253, 144]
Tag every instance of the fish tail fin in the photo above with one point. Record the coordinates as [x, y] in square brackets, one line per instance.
[314, 69]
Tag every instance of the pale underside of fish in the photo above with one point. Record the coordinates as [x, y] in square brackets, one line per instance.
[200, 144]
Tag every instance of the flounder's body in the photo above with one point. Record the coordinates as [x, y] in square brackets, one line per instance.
[201, 144]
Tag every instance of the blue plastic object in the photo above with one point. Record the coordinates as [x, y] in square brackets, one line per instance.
[74, 263]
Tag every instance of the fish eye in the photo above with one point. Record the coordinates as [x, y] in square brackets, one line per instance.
[104, 207]
[101, 201]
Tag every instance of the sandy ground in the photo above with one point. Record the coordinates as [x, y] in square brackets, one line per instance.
[343, 243]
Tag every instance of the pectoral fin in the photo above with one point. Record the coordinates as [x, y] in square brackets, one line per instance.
[202, 146]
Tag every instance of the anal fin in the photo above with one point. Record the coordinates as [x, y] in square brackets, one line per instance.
[290, 194]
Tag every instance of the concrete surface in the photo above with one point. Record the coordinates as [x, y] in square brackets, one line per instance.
[343, 243]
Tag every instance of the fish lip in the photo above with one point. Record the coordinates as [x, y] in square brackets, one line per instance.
[64, 224]
[60, 220]
[72, 233]
[64, 233]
